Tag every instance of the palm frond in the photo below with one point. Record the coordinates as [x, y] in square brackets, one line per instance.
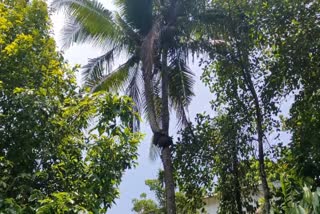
[181, 81]
[97, 68]
[138, 13]
[73, 32]
[115, 79]
[133, 89]
[96, 21]
[156, 100]
[130, 33]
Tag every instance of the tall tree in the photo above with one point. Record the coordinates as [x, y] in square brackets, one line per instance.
[47, 163]
[238, 72]
[156, 60]
[263, 52]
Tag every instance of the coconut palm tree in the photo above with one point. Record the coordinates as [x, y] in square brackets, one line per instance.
[150, 33]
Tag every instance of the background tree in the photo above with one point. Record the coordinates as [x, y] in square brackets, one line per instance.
[48, 164]
[145, 205]
[260, 54]
[238, 75]
[213, 158]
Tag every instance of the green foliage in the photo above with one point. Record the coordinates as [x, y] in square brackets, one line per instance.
[48, 162]
[295, 70]
[235, 75]
[218, 164]
[296, 199]
[291, 191]
[197, 146]
[261, 53]
[145, 206]
[304, 123]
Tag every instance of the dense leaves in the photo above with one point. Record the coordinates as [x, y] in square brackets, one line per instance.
[212, 160]
[260, 55]
[61, 150]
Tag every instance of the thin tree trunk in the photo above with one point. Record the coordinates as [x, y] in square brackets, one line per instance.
[259, 118]
[166, 151]
[243, 57]
[259, 122]
[236, 178]
[262, 170]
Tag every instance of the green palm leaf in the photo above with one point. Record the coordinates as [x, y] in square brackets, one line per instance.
[96, 22]
[131, 35]
[97, 68]
[115, 79]
[154, 152]
[138, 13]
[153, 106]
[181, 81]
[133, 89]
[74, 32]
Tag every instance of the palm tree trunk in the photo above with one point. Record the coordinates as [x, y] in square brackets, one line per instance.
[148, 49]
[168, 179]
[166, 151]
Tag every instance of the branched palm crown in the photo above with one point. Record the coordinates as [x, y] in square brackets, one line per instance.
[142, 30]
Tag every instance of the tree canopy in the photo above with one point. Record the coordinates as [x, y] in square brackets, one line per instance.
[61, 149]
